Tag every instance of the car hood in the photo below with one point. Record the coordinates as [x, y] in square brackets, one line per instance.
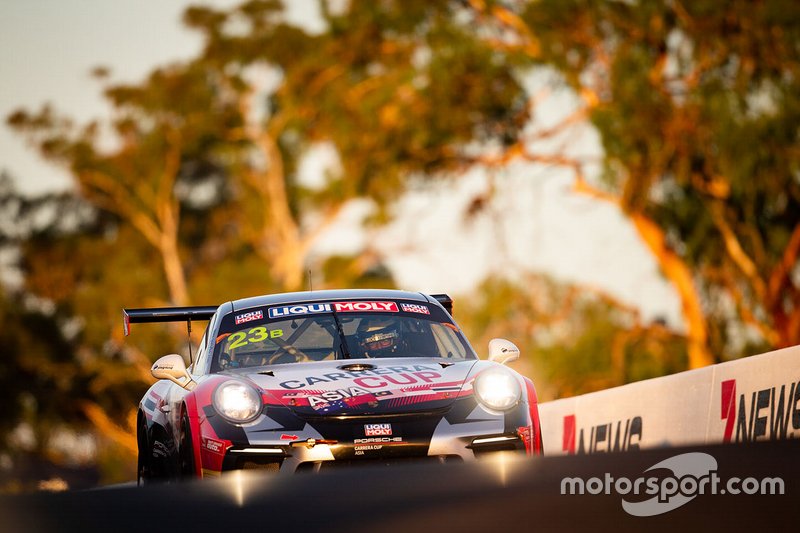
[363, 386]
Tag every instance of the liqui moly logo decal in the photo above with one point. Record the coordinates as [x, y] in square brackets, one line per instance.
[247, 317]
[339, 307]
[293, 310]
[767, 414]
[415, 308]
[377, 430]
[344, 307]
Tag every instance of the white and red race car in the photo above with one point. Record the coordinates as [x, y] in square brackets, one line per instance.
[313, 380]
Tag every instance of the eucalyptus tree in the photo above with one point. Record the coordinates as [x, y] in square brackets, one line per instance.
[696, 104]
[193, 189]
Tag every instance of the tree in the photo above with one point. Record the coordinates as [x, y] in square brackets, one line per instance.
[696, 105]
[368, 85]
[193, 191]
[394, 88]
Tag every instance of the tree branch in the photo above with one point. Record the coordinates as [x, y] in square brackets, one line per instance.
[675, 269]
[780, 275]
[125, 437]
[116, 200]
[736, 252]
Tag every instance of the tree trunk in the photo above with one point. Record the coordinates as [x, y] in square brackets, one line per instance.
[675, 270]
[679, 274]
[173, 270]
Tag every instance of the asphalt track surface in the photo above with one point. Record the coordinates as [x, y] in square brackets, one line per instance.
[492, 495]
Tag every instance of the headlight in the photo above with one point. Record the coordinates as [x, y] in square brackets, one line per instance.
[237, 402]
[497, 389]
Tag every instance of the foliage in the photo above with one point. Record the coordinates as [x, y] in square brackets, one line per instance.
[573, 340]
[697, 107]
[193, 194]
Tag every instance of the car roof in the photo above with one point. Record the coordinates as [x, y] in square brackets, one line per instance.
[328, 295]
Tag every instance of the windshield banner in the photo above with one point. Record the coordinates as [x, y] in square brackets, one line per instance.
[339, 307]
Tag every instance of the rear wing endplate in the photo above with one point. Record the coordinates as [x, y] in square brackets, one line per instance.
[445, 300]
[165, 314]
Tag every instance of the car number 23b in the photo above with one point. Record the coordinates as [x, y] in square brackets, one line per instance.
[256, 334]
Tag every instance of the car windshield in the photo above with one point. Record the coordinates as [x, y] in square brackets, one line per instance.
[326, 331]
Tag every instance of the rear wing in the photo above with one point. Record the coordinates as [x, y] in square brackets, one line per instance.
[187, 314]
[445, 300]
[165, 314]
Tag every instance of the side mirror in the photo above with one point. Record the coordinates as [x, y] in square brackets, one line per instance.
[173, 368]
[503, 351]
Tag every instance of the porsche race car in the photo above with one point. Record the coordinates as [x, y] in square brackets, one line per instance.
[316, 380]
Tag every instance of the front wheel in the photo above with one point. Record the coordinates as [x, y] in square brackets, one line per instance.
[185, 451]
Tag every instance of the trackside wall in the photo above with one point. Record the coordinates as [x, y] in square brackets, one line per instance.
[752, 399]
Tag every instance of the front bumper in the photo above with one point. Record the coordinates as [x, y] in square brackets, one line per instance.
[463, 433]
[311, 456]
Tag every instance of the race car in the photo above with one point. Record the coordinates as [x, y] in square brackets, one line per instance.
[315, 380]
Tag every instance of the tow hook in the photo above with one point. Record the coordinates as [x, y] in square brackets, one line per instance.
[310, 443]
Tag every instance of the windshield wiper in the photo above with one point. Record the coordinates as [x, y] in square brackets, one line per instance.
[342, 345]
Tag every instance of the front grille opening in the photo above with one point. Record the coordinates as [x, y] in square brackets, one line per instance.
[270, 464]
[377, 462]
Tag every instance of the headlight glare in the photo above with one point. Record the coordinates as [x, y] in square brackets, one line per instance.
[237, 402]
[497, 389]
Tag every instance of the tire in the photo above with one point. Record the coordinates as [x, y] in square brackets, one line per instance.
[143, 467]
[186, 465]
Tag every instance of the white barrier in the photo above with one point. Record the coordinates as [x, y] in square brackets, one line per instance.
[751, 399]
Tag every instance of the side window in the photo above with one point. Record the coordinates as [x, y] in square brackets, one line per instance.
[201, 358]
[447, 342]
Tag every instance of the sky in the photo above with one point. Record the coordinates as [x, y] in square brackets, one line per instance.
[535, 223]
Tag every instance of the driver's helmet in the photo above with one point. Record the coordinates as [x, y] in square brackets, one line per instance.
[379, 336]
